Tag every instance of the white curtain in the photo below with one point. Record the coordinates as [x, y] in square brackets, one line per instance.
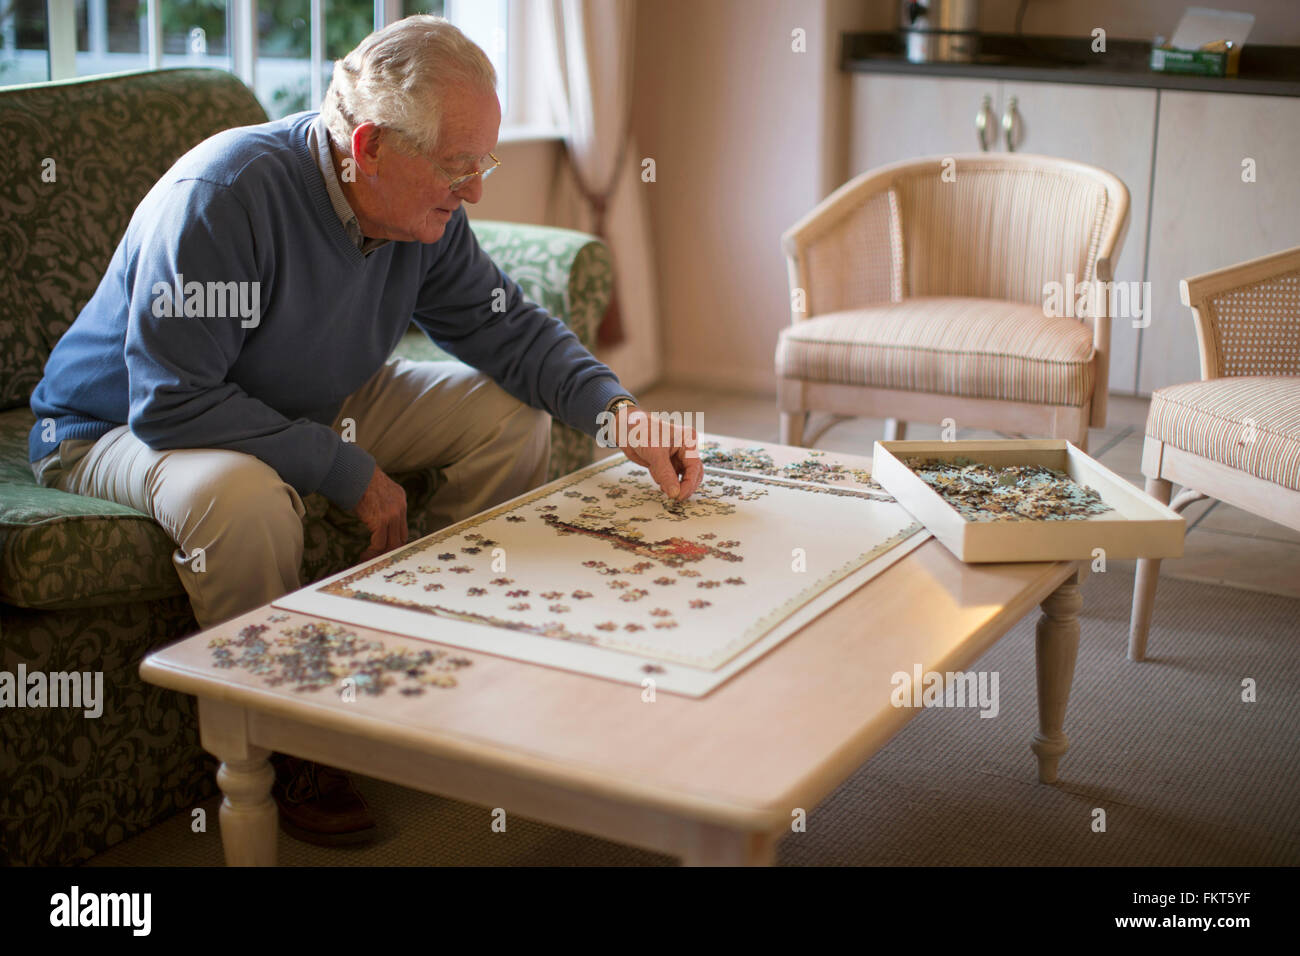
[590, 45]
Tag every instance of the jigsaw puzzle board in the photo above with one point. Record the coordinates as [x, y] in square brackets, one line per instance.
[601, 574]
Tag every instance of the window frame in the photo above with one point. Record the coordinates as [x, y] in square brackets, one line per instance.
[242, 55]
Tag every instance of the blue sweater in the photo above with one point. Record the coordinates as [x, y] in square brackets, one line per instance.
[188, 361]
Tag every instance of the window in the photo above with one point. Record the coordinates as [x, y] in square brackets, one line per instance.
[284, 49]
[296, 53]
[23, 41]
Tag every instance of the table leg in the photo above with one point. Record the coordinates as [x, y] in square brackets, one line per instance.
[249, 818]
[1056, 647]
[712, 845]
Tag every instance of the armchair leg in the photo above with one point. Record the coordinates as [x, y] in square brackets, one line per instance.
[1144, 586]
[895, 430]
[792, 426]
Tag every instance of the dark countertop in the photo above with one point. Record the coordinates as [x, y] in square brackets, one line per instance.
[1263, 70]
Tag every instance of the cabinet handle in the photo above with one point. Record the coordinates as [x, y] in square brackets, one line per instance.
[984, 121]
[1011, 125]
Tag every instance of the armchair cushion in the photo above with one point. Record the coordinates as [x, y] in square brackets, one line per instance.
[1000, 231]
[1247, 422]
[950, 345]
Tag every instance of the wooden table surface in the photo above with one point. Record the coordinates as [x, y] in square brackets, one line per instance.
[573, 749]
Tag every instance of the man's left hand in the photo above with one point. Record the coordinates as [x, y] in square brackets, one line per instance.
[670, 452]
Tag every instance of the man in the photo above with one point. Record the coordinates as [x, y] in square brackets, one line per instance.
[235, 356]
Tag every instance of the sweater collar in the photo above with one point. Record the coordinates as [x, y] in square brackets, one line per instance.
[313, 178]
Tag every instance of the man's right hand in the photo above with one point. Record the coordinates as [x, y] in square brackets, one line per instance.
[383, 509]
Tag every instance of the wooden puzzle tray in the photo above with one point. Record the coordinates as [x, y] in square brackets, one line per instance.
[1133, 524]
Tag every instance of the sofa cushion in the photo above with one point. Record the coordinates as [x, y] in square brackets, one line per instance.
[950, 345]
[59, 550]
[1248, 422]
[109, 139]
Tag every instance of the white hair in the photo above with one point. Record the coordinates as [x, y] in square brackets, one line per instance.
[397, 77]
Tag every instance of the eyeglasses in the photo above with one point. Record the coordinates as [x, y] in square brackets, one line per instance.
[455, 183]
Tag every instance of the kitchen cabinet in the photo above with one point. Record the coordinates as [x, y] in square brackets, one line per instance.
[901, 117]
[1205, 216]
[897, 117]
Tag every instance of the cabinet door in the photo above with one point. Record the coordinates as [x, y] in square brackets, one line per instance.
[1205, 216]
[903, 117]
[1114, 129]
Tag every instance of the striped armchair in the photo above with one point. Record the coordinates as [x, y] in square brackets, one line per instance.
[1234, 435]
[917, 292]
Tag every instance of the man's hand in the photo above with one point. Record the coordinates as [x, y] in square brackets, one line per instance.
[668, 451]
[383, 509]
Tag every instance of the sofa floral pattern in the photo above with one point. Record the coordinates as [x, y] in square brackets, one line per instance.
[87, 584]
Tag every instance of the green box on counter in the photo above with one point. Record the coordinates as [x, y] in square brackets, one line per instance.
[1197, 62]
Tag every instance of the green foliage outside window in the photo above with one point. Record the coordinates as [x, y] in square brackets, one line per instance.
[283, 31]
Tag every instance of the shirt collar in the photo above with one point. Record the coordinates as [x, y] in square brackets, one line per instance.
[318, 141]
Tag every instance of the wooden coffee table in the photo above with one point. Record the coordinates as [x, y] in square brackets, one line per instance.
[716, 780]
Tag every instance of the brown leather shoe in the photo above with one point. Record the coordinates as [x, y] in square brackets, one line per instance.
[319, 804]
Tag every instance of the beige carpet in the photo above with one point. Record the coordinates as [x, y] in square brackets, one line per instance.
[1185, 771]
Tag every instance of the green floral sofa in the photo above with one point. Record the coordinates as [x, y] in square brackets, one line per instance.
[86, 584]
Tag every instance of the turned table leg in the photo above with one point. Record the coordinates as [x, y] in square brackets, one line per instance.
[249, 818]
[248, 814]
[1056, 647]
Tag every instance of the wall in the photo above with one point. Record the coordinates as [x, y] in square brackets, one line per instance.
[517, 192]
[738, 125]
[747, 136]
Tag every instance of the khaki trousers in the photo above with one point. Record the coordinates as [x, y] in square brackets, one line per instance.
[238, 527]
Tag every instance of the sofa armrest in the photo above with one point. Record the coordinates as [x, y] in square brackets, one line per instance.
[567, 273]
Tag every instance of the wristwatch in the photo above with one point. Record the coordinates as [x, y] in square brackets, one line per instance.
[619, 402]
